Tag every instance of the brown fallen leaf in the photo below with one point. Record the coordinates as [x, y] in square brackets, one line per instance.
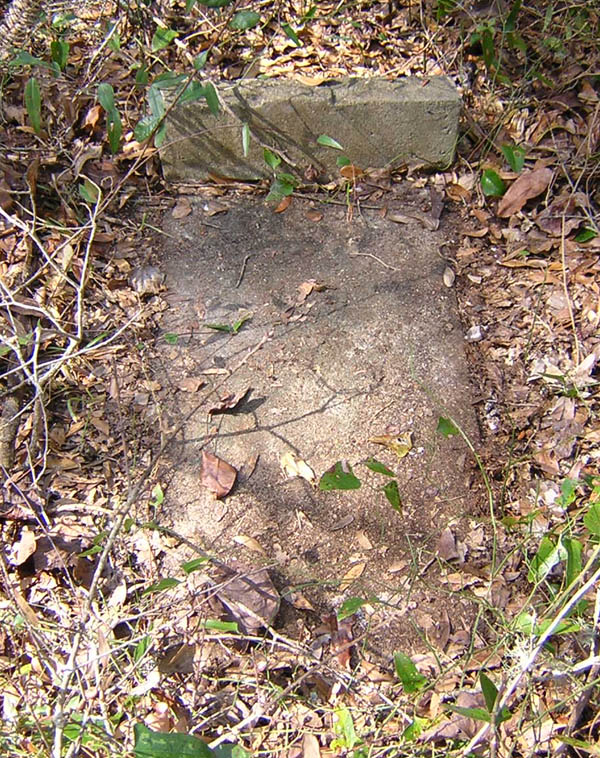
[217, 475]
[351, 172]
[310, 746]
[284, 204]
[297, 599]
[250, 543]
[214, 207]
[304, 289]
[191, 384]
[182, 208]
[229, 402]
[353, 573]
[313, 215]
[529, 184]
[447, 545]
[23, 548]
[249, 597]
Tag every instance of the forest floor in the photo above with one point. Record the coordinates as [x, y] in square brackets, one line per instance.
[110, 645]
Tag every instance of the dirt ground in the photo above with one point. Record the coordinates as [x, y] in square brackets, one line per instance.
[351, 334]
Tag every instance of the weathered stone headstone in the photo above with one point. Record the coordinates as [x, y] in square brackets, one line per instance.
[379, 123]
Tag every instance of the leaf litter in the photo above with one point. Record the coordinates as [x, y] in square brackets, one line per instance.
[537, 348]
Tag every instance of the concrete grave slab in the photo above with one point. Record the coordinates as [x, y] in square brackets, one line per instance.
[351, 334]
[378, 122]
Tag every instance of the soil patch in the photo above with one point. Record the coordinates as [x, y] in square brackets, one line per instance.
[349, 333]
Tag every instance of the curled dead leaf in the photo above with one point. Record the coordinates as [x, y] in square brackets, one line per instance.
[218, 476]
[250, 543]
[293, 466]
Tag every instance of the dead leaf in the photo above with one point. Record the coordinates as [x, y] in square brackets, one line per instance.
[401, 444]
[341, 641]
[449, 276]
[213, 207]
[293, 466]
[310, 746]
[91, 117]
[250, 543]
[529, 184]
[353, 573]
[182, 208]
[23, 548]
[447, 546]
[217, 475]
[284, 204]
[249, 597]
[351, 172]
[304, 289]
[363, 541]
[191, 384]
[297, 599]
[313, 215]
[229, 402]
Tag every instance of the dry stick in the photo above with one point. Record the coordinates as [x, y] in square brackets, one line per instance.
[511, 688]
[58, 716]
[566, 290]
[591, 682]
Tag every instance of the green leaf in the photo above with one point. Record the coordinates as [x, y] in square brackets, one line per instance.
[149, 744]
[106, 96]
[164, 584]
[591, 519]
[568, 493]
[487, 47]
[393, 495]
[227, 750]
[490, 691]
[379, 468]
[88, 191]
[170, 338]
[491, 184]
[59, 50]
[141, 77]
[221, 626]
[194, 91]
[33, 103]
[162, 38]
[291, 34]
[350, 606]
[586, 234]
[194, 565]
[212, 99]
[244, 20]
[245, 139]
[511, 20]
[326, 141]
[574, 564]
[114, 41]
[414, 730]
[479, 714]
[23, 58]
[339, 477]
[343, 726]
[271, 159]
[200, 60]
[515, 156]
[156, 100]
[169, 80]
[145, 127]
[411, 679]
[446, 427]
[342, 161]
[114, 131]
[542, 563]
[279, 189]
[158, 496]
[141, 648]
[160, 134]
